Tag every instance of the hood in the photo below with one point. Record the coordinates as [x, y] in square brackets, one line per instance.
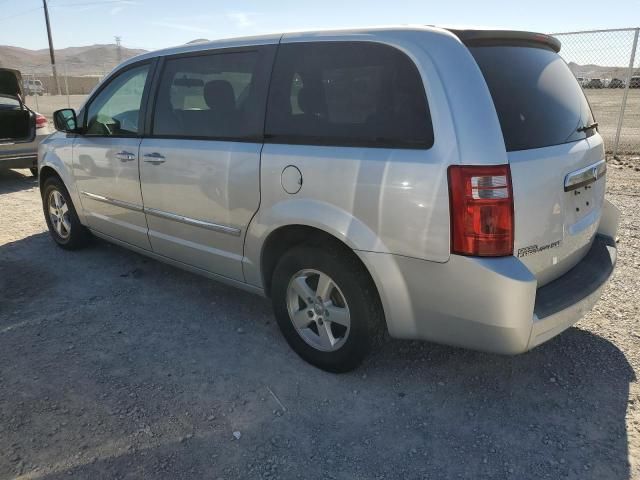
[10, 82]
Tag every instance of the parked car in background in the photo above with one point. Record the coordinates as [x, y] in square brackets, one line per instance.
[21, 129]
[595, 83]
[634, 82]
[33, 86]
[355, 179]
[616, 83]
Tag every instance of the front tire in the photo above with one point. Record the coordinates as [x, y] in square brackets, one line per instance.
[327, 307]
[61, 217]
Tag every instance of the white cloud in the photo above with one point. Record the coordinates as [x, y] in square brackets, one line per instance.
[181, 26]
[119, 6]
[241, 19]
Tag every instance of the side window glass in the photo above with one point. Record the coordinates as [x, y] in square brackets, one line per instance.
[347, 93]
[116, 109]
[211, 96]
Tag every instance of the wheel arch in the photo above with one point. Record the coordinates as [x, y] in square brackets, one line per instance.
[284, 238]
[55, 159]
[46, 172]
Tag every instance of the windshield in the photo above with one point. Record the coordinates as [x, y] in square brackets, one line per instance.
[538, 100]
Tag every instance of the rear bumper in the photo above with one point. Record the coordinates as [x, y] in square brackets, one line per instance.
[21, 155]
[19, 161]
[487, 304]
[564, 301]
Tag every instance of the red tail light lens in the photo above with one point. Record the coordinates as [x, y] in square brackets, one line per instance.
[41, 121]
[481, 204]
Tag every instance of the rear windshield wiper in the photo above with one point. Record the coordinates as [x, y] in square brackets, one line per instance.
[588, 127]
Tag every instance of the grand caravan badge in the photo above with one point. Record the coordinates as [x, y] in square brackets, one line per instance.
[531, 249]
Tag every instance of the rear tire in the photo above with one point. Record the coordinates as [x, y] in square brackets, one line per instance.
[334, 304]
[34, 171]
[61, 217]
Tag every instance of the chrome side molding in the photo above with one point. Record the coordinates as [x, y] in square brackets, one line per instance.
[585, 176]
[166, 215]
[194, 222]
[113, 201]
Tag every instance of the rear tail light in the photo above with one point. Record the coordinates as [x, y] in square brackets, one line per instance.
[481, 204]
[41, 121]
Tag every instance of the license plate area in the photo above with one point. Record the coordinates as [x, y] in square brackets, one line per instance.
[584, 193]
[581, 202]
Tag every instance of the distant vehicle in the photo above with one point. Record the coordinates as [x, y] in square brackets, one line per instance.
[594, 83]
[33, 87]
[583, 81]
[616, 83]
[21, 129]
[634, 82]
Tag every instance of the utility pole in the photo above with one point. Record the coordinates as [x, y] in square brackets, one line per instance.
[56, 85]
[118, 49]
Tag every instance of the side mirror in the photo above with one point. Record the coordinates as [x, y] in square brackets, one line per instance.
[65, 120]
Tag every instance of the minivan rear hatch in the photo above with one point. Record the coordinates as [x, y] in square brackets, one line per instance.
[17, 123]
[555, 153]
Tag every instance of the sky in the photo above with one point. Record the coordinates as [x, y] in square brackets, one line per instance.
[153, 24]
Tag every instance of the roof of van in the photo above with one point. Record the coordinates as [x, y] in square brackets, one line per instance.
[471, 36]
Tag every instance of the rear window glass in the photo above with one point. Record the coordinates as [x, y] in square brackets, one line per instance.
[9, 103]
[538, 100]
[347, 94]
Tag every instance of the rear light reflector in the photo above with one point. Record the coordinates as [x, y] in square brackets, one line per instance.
[481, 209]
[41, 121]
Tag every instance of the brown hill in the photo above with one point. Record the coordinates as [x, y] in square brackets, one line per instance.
[90, 60]
[598, 71]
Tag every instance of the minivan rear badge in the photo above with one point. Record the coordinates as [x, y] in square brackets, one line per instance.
[531, 249]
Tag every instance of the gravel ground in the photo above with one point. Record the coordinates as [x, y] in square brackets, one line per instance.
[116, 366]
[605, 103]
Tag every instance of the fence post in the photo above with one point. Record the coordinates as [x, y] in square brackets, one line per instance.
[33, 76]
[626, 92]
[66, 83]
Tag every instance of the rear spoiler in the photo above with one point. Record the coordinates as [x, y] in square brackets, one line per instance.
[506, 37]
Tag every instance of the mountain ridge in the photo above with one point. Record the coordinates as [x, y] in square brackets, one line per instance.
[96, 59]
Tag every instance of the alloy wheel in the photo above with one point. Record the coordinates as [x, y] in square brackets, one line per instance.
[318, 310]
[59, 214]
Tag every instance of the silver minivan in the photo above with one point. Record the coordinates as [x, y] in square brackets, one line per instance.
[436, 184]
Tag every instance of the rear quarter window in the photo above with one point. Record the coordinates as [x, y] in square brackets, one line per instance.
[538, 100]
[347, 94]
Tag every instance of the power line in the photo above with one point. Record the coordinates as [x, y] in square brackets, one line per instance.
[24, 12]
[104, 2]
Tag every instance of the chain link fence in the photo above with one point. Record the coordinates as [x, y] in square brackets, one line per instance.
[607, 65]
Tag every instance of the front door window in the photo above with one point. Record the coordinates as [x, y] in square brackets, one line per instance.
[116, 110]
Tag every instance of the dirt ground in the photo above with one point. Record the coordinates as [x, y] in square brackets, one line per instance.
[605, 103]
[115, 366]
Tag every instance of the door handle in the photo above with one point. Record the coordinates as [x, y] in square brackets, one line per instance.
[124, 156]
[154, 158]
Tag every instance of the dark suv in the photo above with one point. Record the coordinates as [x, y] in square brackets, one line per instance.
[595, 83]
